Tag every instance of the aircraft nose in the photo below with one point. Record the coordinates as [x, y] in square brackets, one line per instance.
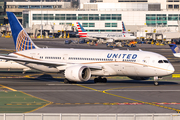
[170, 69]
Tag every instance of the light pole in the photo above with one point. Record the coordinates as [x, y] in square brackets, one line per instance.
[41, 18]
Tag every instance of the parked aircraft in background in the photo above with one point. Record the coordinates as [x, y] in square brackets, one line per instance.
[107, 37]
[175, 49]
[78, 65]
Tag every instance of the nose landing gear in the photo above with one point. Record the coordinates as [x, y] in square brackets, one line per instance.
[156, 79]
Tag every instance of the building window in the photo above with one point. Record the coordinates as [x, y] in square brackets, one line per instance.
[82, 16]
[176, 6]
[85, 24]
[132, 1]
[35, 6]
[25, 20]
[48, 17]
[107, 24]
[114, 24]
[70, 16]
[93, 16]
[156, 20]
[110, 24]
[173, 17]
[59, 16]
[91, 25]
[88, 24]
[170, 6]
[47, 6]
[172, 0]
[23, 6]
[36, 16]
[110, 17]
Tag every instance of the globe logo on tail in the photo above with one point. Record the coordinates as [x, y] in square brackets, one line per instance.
[23, 42]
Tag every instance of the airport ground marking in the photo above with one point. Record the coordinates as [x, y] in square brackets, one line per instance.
[139, 101]
[175, 75]
[8, 88]
[49, 102]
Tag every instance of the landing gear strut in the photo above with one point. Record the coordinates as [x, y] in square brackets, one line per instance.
[99, 79]
[66, 81]
[156, 80]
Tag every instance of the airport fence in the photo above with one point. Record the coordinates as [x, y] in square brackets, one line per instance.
[64, 116]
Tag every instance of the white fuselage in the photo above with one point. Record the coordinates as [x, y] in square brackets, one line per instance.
[113, 62]
[113, 36]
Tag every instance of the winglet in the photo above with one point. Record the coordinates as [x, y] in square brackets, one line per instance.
[22, 40]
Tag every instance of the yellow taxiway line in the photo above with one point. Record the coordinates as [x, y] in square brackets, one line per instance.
[148, 103]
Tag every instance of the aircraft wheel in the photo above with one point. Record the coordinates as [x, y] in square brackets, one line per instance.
[95, 80]
[156, 83]
[104, 80]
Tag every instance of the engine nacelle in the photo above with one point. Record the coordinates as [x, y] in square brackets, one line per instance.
[77, 73]
[110, 40]
[138, 78]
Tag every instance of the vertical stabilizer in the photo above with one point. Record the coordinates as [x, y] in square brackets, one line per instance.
[123, 27]
[174, 48]
[22, 40]
[81, 31]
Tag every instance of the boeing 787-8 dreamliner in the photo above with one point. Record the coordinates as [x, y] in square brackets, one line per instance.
[80, 64]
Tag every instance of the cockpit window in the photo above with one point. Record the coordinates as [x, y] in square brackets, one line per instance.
[163, 61]
[160, 61]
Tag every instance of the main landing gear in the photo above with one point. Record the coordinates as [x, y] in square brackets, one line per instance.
[99, 79]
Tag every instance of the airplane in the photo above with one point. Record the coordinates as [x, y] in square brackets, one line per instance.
[79, 65]
[107, 37]
[175, 49]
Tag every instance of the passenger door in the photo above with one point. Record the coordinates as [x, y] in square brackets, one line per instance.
[65, 57]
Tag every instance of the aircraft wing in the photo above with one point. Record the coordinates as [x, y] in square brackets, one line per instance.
[43, 62]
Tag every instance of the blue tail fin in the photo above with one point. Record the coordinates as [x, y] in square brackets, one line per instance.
[80, 27]
[22, 40]
[123, 27]
[174, 48]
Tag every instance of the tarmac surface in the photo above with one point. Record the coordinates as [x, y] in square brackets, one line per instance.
[118, 95]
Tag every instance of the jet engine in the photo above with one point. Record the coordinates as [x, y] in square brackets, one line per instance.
[77, 73]
[110, 40]
[138, 78]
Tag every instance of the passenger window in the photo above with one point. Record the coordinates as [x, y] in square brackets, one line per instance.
[160, 61]
[165, 61]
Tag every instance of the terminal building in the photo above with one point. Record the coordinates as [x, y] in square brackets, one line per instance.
[139, 16]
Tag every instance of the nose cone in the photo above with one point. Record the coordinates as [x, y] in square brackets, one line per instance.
[170, 69]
